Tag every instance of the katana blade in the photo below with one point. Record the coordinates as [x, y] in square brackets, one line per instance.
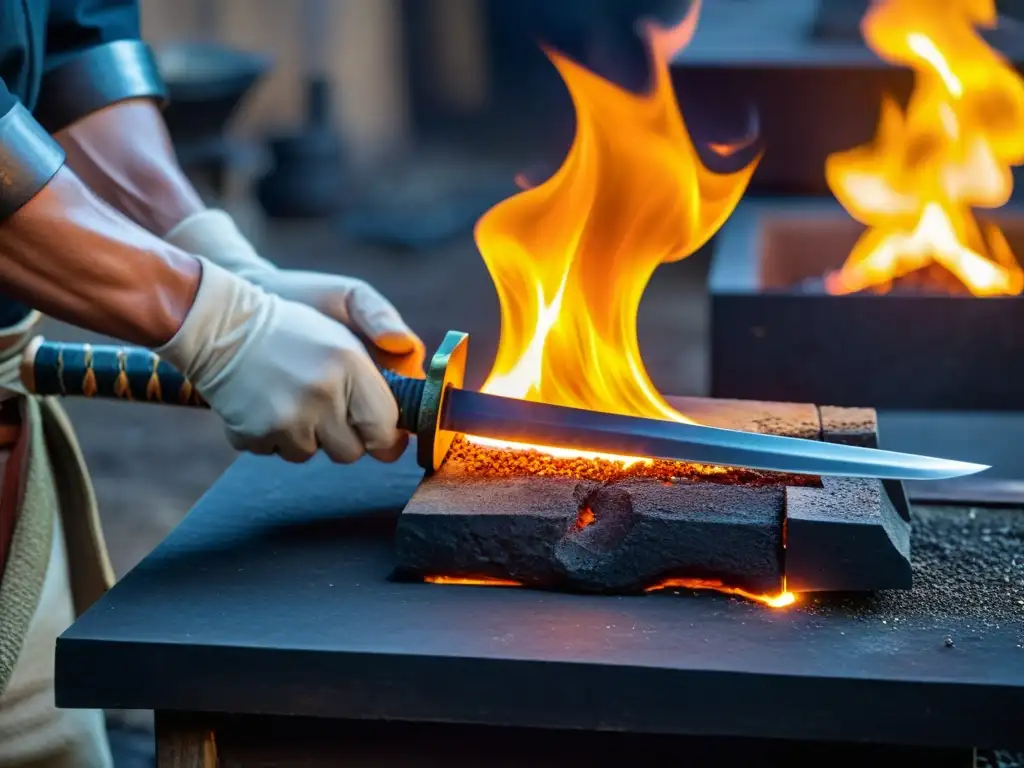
[436, 408]
[520, 421]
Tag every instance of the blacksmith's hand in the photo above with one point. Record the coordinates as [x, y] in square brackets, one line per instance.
[285, 378]
[213, 235]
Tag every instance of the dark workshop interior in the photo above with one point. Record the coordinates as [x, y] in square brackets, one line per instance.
[367, 137]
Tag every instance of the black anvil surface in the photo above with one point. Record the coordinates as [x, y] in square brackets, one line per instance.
[273, 597]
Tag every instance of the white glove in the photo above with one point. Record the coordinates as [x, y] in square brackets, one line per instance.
[213, 235]
[284, 378]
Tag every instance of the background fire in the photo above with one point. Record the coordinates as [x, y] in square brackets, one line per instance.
[916, 185]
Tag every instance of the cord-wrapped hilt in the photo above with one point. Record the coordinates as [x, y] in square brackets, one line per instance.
[139, 375]
[104, 371]
[135, 373]
[408, 394]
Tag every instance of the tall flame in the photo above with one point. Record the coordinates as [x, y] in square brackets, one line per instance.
[571, 257]
[916, 185]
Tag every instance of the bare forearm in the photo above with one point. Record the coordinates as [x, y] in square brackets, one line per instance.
[73, 257]
[124, 154]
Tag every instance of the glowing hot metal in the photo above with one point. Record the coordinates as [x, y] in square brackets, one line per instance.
[505, 418]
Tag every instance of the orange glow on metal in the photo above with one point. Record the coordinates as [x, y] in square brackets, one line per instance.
[781, 600]
[571, 257]
[916, 185]
[481, 581]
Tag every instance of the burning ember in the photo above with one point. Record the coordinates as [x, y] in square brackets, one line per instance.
[916, 185]
[491, 461]
[571, 257]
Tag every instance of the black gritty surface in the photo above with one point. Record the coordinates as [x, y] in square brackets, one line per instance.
[273, 596]
[967, 564]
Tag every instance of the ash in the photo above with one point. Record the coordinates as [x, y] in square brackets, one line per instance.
[967, 563]
[482, 461]
[933, 280]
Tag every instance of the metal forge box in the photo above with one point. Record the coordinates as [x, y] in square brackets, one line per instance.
[524, 518]
[777, 335]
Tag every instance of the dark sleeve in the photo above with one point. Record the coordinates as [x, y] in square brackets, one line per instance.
[29, 157]
[94, 58]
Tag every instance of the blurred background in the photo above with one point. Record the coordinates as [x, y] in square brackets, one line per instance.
[365, 137]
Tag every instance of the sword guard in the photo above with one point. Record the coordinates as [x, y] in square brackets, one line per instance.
[447, 369]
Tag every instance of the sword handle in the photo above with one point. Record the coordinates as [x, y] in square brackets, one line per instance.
[104, 371]
[408, 394]
[107, 371]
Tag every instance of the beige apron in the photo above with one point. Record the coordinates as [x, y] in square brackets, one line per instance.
[56, 568]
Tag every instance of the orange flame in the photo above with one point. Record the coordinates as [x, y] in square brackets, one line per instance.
[916, 185]
[571, 257]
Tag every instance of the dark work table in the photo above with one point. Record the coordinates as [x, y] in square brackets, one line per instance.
[992, 438]
[271, 603]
